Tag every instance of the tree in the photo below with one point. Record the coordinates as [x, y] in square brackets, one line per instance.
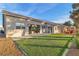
[68, 23]
[75, 17]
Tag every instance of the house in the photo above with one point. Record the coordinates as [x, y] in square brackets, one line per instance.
[16, 25]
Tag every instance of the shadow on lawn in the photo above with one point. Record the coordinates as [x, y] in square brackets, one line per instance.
[45, 46]
[41, 38]
[36, 45]
[59, 54]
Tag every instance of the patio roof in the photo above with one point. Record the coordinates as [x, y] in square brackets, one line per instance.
[7, 13]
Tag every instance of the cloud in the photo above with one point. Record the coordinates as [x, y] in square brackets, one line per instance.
[34, 7]
[62, 19]
[46, 7]
[25, 12]
[7, 6]
[1, 7]
[14, 8]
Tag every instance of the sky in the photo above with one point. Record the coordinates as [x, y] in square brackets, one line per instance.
[53, 12]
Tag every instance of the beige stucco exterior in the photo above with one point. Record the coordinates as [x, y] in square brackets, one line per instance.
[11, 22]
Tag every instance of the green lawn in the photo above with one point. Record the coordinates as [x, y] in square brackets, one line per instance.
[44, 45]
[60, 35]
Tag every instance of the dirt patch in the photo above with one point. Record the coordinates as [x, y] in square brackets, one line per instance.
[8, 48]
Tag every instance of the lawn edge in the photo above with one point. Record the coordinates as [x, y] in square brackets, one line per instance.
[20, 49]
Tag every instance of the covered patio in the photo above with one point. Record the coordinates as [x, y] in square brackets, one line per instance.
[16, 25]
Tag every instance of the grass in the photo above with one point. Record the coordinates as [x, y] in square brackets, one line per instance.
[41, 51]
[44, 45]
[60, 35]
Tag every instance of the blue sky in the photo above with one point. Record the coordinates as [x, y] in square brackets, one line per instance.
[54, 12]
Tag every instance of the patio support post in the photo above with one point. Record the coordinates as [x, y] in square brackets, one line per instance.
[26, 30]
[41, 29]
[14, 24]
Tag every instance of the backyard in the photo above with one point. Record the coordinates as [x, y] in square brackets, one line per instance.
[50, 45]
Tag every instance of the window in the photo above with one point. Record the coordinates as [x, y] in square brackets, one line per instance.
[20, 26]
